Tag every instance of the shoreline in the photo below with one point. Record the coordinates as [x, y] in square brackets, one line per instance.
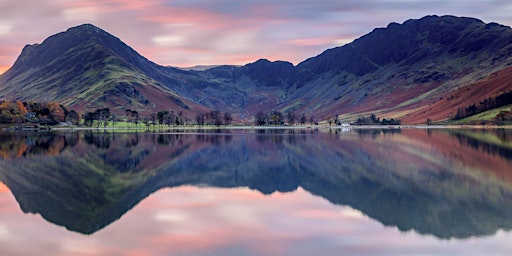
[252, 127]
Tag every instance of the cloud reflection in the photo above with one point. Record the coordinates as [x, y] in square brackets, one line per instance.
[194, 221]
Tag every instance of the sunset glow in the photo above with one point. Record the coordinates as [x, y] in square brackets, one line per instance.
[188, 33]
[3, 69]
[3, 188]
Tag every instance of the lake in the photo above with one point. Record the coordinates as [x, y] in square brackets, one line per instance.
[257, 192]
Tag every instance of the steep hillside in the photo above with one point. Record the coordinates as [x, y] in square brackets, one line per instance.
[425, 68]
[86, 68]
[402, 69]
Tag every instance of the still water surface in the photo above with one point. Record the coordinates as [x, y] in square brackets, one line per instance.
[257, 192]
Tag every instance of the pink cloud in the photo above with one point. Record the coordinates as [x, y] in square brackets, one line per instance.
[185, 33]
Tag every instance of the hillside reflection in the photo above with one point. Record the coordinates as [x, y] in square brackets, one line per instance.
[446, 183]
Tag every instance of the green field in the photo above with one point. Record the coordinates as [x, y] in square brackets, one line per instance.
[483, 117]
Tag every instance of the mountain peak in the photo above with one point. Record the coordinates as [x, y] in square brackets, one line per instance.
[413, 41]
[57, 45]
[86, 26]
[79, 34]
[89, 29]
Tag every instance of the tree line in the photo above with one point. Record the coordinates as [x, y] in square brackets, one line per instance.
[277, 118]
[101, 117]
[52, 113]
[374, 120]
[487, 104]
[46, 113]
[214, 117]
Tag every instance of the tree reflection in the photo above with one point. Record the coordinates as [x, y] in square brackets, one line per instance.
[486, 141]
[23, 145]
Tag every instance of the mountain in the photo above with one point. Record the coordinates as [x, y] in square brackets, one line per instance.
[87, 68]
[452, 186]
[411, 70]
[423, 68]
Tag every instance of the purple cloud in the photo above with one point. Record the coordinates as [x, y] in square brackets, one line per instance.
[193, 32]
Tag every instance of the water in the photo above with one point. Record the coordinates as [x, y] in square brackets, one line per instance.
[257, 192]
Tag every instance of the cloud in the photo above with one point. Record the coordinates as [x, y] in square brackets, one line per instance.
[86, 14]
[192, 32]
[169, 41]
[5, 28]
[4, 233]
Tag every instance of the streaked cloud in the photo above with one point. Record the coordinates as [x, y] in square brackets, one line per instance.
[201, 32]
[85, 14]
[169, 41]
[5, 28]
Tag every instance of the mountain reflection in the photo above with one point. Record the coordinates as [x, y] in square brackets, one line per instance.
[450, 184]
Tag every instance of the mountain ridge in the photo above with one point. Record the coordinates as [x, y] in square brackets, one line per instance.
[395, 71]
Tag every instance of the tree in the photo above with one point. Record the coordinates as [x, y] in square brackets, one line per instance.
[21, 108]
[227, 118]
[429, 121]
[56, 112]
[200, 119]
[89, 119]
[291, 117]
[312, 120]
[276, 118]
[162, 116]
[12, 112]
[260, 118]
[179, 119]
[73, 117]
[374, 119]
[136, 117]
[128, 113]
[303, 119]
[501, 117]
[103, 115]
[168, 119]
[147, 122]
[132, 116]
[214, 117]
[153, 119]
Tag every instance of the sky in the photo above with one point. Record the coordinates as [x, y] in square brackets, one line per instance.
[186, 33]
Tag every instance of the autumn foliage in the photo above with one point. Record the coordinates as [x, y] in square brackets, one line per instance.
[16, 112]
[12, 112]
